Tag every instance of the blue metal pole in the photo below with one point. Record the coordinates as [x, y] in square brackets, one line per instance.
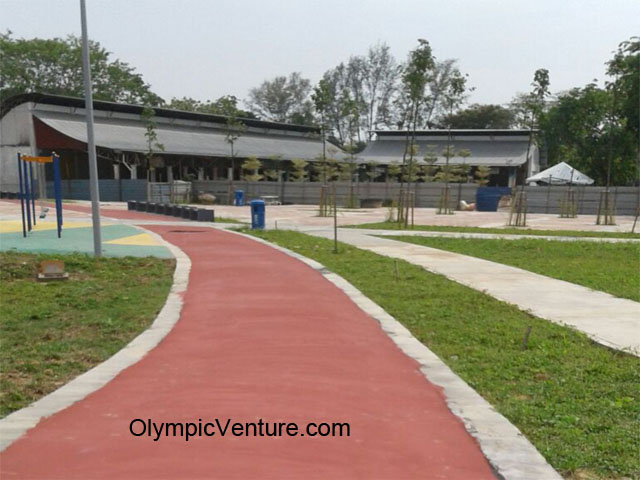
[26, 194]
[33, 193]
[24, 229]
[57, 192]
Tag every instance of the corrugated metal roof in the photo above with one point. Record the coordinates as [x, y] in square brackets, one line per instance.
[494, 154]
[462, 132]
[101, 105]
[129, 135]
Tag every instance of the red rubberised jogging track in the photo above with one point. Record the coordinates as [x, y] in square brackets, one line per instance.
[264, 336]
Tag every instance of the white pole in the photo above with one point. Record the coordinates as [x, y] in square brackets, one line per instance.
[93, 163]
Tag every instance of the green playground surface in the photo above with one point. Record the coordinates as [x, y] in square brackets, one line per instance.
[77, 237]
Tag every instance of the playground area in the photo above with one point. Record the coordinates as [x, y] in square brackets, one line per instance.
[119, 240]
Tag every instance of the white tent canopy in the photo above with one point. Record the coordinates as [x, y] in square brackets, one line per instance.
[561, 174]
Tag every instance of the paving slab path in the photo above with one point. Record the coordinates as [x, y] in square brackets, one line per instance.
[261, 336]
[609, 320]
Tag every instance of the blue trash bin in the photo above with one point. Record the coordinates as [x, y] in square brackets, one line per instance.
[257, 214]
[487, 198]
[239, 198]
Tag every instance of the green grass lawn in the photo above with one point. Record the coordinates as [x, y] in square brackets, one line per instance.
[227, 220]
[510, 231]
[610, 267]
[52, 332]
[577, 402]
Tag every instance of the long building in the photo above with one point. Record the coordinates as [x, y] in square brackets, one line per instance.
[193, 145]
[503, 151]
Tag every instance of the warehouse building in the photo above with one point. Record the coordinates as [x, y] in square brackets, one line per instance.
[503, 151]
[189, 146]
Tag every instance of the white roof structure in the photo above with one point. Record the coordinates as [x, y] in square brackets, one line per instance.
[561, 174]
[190, 139]
[492, 148]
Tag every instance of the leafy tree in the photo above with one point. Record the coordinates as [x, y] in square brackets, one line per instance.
[453, 97]
[148, 118]
[336, 81]
[345, 171]
[55, 66]
[327, 170]
[251, 167]
[534, 103]
[321, 98]
[271, 174]
[381, 72]
[585, 126]
[372, 171]
[283, 100]
[624, 67]
[393, 171]
[482, 175]
[370, 80]
[576, 131]
[480, 117]
[234, 127]
[216, 107]
[351, 112]
[395, 113]
[415, 77]
[298, 171]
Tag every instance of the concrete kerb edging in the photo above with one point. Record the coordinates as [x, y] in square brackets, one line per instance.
[494, 236]
[508, 451]
[17, 423]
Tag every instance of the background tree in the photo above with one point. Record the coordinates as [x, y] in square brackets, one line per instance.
[576, 131]
[624, 67]
[321, 98]
[380, 76]
[482, 175]
[148, 119]
[415, 76]
[581, 124]
[326, 170]
[234, 127]
[480, 117]
[429, 169]
[393, 171]
[370, 80]
[282, 100]
[251, 169]
[351, 112]
[372, 171]
[536, 103]
[215, 107]
[54, 66]
[395, 113]
[298, 170]
[453, 97]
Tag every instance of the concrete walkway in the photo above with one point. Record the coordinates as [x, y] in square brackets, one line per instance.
[261, 336]
[611, 321]
[495, 236]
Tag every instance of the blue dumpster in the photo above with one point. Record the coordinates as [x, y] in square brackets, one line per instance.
[257, 213]
[239, 198]
[487, 198]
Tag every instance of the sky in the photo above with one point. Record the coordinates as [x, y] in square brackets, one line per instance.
[208, 48]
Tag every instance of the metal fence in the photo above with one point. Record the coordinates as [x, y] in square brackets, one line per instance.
[173, 192]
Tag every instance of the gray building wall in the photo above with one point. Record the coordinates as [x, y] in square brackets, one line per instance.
[16, 136]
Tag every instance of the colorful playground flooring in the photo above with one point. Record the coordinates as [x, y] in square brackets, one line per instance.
[77, 237]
